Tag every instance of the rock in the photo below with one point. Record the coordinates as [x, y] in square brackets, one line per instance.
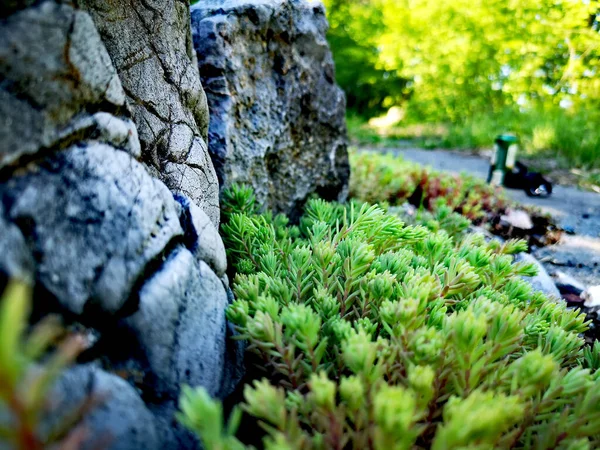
[53, 67]
[181, 326]
[150, 46]
[15, 257]
[591, 297]
[233, 368]
[103, 240]
[566, 284]
[171, 433]
[542, 281]
[121, 421]
[577, 256]
[202, 237]
[517, 218]
[234, 353]
[277, 117]
[93, 219]
[102, 127]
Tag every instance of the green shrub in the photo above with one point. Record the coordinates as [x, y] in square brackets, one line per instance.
[372, 334]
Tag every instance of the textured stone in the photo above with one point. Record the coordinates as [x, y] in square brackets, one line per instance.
[102, 127]
[150, 46]
[181, 326]
[93, 219]
[120, 422]
[202, 237]
[567, 284]
[577, 256]
[103, 240]
[15, 259]
[53, 67]
[542, 281]
[277, 116]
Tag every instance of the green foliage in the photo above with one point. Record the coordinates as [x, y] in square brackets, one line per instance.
[465, 57]
[482, 67]
[24, 383]
[370, 86]
[373, 334]
[378, 178]
[555, 132]
[205, 418]
[485, 54]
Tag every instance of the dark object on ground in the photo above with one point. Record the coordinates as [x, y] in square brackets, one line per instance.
[533, 183]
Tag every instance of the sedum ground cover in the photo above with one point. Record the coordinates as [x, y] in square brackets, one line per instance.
[365, 333]
[385, 178]
[392, 181]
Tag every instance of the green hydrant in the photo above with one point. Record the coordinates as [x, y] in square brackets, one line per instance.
[503, 159]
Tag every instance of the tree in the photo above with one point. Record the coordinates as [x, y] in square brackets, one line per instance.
[464, 57]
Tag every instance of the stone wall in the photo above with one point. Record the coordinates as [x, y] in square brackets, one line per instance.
[109, 205]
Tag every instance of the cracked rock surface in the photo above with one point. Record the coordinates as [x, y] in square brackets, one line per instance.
[150, 46]
[64, 71]
[113, 220]
[109, 207]
[277, 116]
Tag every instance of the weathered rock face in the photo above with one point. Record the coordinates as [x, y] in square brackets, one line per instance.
[123, 422]
[85, 216]
[150, 46]
[64, 72]
[277, 116]
[113, 220]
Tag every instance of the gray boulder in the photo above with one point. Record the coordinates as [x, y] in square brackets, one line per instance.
[93, 218]
[150, 46]
[119, 421]
[277, 117]
[95, 229]
[54, 68]
[180, 325]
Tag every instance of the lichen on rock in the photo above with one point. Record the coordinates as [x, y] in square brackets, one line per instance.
[150, 46]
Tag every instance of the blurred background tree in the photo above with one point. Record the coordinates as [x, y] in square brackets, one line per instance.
[355, 35]
[532, 66]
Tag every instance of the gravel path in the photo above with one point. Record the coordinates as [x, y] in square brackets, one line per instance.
[571, 207]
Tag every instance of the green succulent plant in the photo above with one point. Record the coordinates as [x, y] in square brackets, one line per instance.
[369, 333]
